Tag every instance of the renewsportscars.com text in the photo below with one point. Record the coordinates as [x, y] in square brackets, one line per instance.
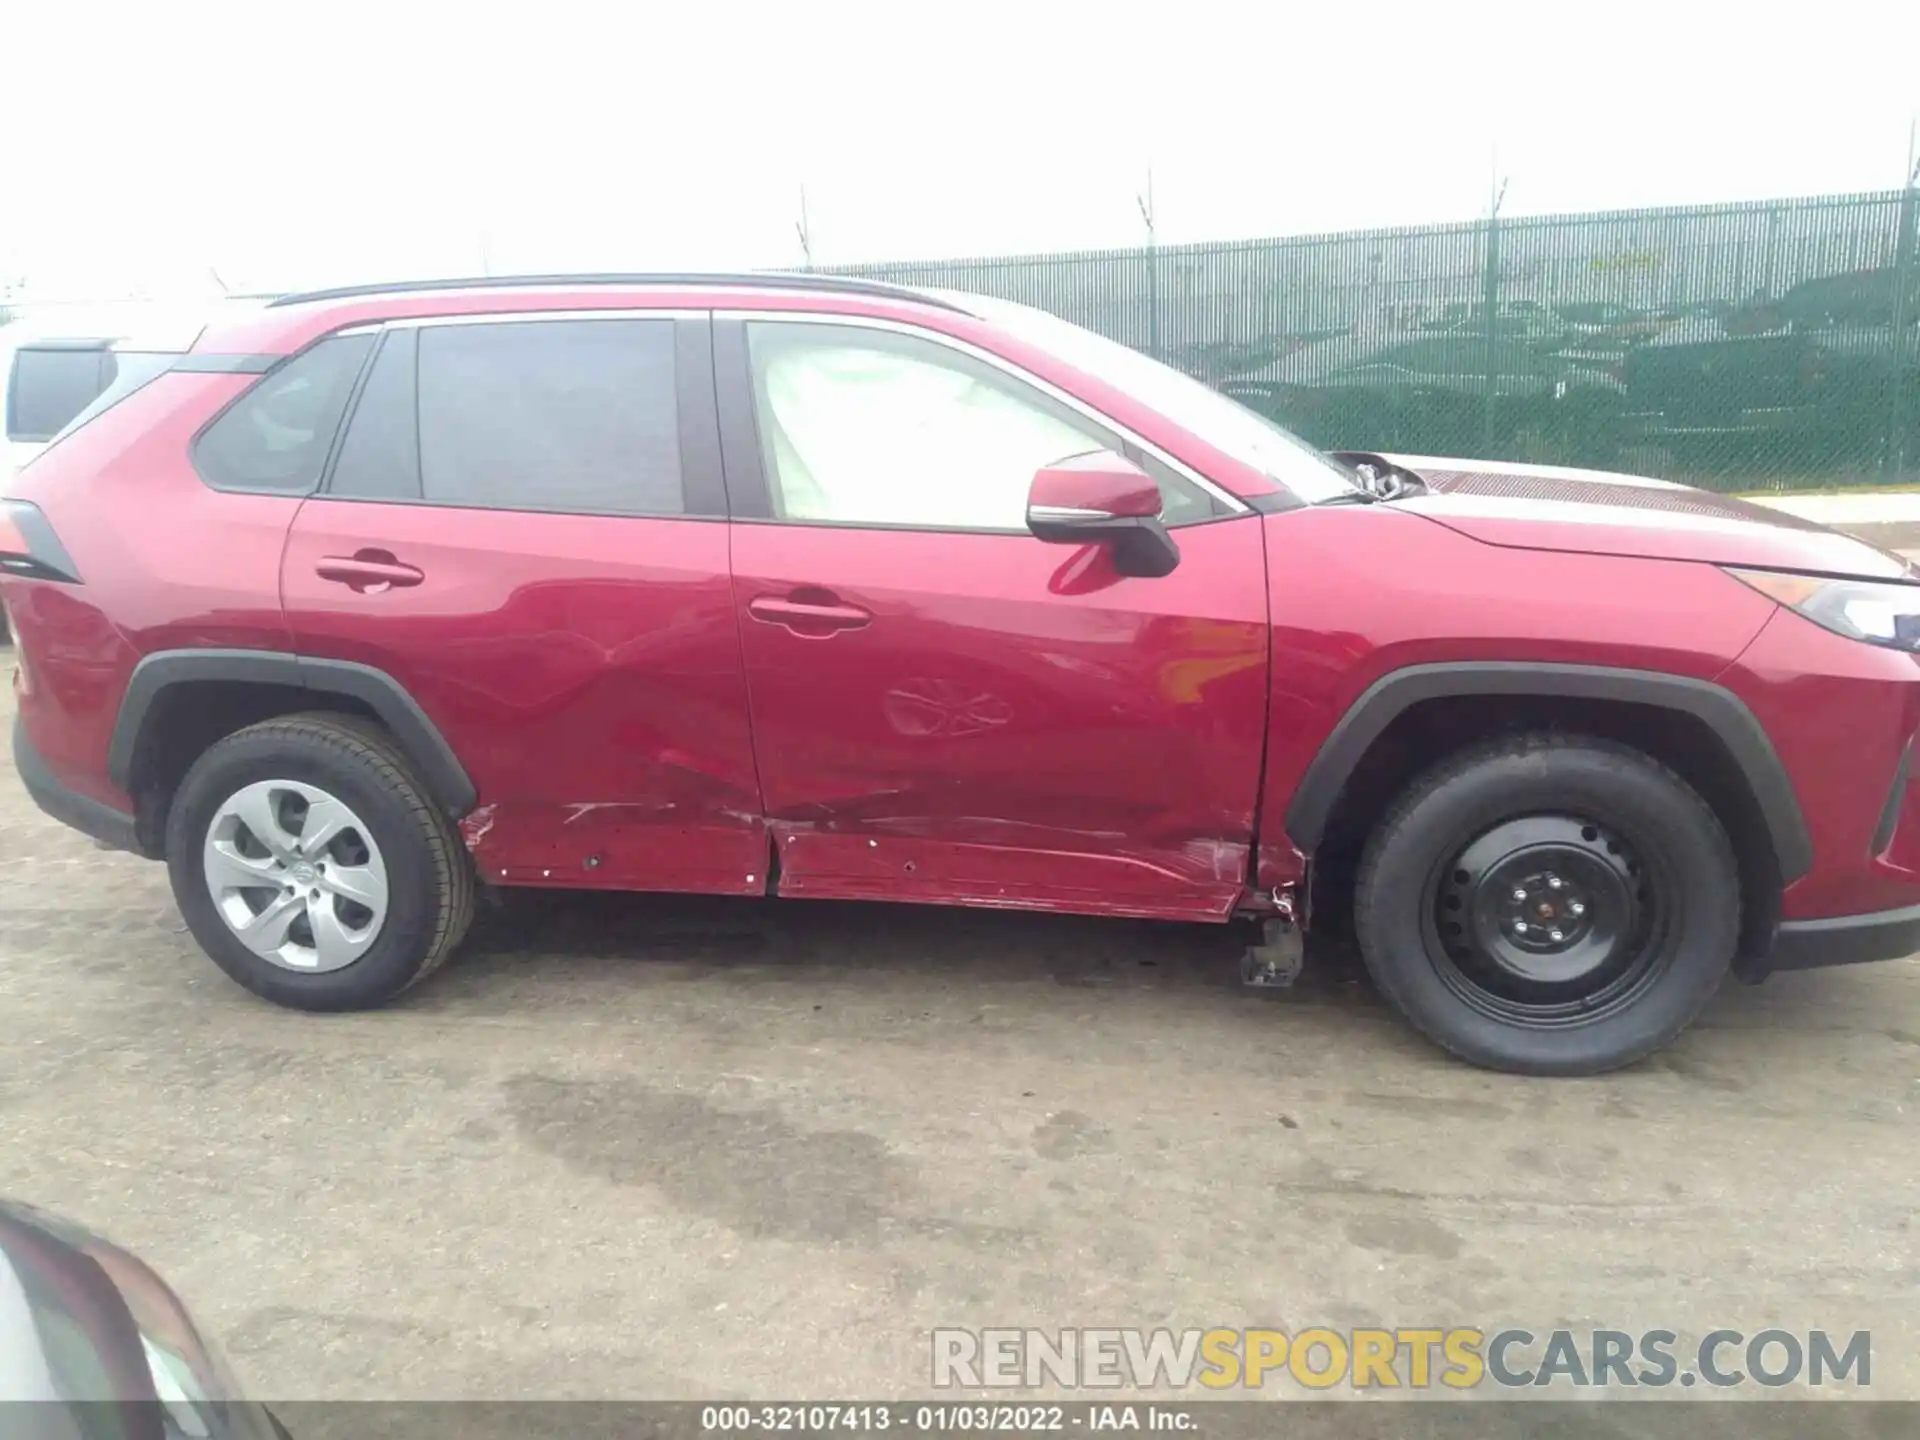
[1457, 1358]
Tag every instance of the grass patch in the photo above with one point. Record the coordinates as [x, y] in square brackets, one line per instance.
[1913, 489]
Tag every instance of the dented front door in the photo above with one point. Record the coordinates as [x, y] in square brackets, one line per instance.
[985, 719]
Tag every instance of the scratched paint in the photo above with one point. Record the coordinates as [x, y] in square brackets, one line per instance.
[581, 808]
[1217, 859]
[474, 828]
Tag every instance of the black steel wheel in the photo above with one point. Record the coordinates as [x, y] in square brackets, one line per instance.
[1549, 905]
[1547, 920]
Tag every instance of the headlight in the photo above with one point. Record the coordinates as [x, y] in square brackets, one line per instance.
[1868, 610]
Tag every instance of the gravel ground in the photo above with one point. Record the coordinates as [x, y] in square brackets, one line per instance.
[655, 1148]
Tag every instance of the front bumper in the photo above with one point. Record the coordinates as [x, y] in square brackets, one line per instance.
[1846, 939]
[68, 806]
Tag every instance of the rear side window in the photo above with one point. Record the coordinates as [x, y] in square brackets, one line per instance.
[275, 438]
[573, 415]
[578, 416]
[49, 385]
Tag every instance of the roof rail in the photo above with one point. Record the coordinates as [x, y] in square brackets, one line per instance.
[775, 280]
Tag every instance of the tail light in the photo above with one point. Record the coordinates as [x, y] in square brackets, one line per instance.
[29, 548]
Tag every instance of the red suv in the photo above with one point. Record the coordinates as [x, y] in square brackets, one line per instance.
[765, 585]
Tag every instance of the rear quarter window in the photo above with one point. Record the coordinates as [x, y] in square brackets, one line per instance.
[276, 437]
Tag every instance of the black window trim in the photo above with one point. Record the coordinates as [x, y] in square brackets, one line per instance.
[354, 391]
[702, 479]
[210, 362]
[750, 487]
[260, 376]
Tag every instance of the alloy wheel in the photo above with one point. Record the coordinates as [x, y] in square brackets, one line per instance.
[296, 875]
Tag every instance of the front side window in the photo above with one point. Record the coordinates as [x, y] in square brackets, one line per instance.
[276, 436]
[863, 426]
[1218, 419]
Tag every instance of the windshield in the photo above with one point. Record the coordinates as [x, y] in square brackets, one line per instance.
[1218, 419]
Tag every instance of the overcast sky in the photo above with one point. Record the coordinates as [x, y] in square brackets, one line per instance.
[287, 145]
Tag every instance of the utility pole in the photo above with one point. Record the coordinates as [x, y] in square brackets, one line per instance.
[1906, 348]
[1145, 202]
[1490, 302]
[806, 235]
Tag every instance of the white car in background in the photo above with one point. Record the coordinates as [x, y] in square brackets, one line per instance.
[57, 360]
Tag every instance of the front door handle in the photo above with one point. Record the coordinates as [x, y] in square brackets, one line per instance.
[368, 572]
[809, 612]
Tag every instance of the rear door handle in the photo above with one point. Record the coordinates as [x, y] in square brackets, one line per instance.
[368, 572]
[820, 614]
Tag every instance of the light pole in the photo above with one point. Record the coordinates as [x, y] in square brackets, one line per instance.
[1490, 302]
[1906, 352]
[1145, 202]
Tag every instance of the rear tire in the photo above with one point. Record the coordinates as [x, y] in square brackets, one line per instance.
[1549, 905]
[312, 865]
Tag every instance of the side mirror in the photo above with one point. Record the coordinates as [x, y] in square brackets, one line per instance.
[1103, 499]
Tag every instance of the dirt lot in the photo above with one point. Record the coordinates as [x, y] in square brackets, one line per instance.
[646, 1148]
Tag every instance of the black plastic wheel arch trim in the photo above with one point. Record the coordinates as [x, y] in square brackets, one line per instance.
[81, 812]
[419, 738]
[1846, 940]
[1722, 711]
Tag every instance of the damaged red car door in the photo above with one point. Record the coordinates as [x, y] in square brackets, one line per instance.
[524, 526]
[947, 707]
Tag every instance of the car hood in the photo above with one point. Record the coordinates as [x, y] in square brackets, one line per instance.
[1595, 512]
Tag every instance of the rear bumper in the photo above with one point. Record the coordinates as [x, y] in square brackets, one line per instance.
[105, 824]
[1846, 939]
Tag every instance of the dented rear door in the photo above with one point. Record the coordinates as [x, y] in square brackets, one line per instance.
[523, 526]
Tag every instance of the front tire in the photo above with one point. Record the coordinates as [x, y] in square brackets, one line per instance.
[1549, 905]
[312, 866]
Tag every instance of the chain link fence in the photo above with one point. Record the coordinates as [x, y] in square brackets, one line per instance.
[1764, 346]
